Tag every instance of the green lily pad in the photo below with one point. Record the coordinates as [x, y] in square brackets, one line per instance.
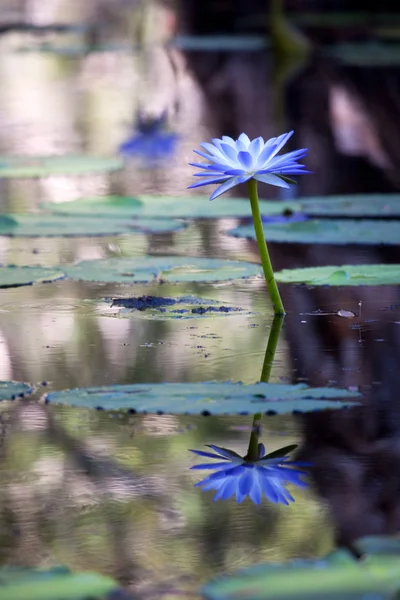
[343, 275]
[181, 307]
[145, 269]
[56, 583]
[10, 390]
[13, 276]
[75, 49]
[327, 231]
[44, 166]
[337, 576]
[358, 205]
[198, 207]
[39, 225]
[225, 398]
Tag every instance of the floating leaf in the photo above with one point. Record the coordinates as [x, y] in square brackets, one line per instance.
[327, 231]
[182, 307]
[198, 207]
[44, 166]
[56, 583]
[215, 398]
[10, 390]
[73, 50]
[13, 276]
[342, 275]
[358, 205]
[145, 269]
[38, 225]
[338, 576]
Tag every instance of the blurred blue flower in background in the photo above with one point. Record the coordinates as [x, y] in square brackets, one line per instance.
[151, 141]
[268, 475]
[237, 161]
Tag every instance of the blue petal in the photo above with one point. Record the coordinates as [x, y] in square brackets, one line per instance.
[212, 167]
[227, 185]
[201, 183]
[256, 146]
[229, 454]
[210, 466]
[290, 156]
[230, 155]
[214, 151]
[272, 492]
[246, 481]
[272, 180]
[235, 172]
[211, 174]
[206, 454]
[226, 490]
[281, 141]
[245, 159]
[209, 157]
[228, 140]
[244, 139]
[265, 156]
[255, 492]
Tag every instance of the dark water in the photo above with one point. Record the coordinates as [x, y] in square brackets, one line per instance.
[114, 493]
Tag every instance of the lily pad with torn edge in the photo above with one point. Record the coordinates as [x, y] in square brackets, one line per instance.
[195, 207]
[40, 225]
[46, 166]
[10, 390]
[209, 398]
[147, 269]
[180, 307]
[342, 275]
[14, 276]
[337, 576]
[327, 231]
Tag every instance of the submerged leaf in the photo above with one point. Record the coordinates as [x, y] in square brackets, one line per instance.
[342, 275]
[13, 276]
[327, 231]
[218, 398]
[145, 269]
[181, 307]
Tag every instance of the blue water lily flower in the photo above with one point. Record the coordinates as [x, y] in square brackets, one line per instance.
[151, 140]
[237, 161]
[265, 476]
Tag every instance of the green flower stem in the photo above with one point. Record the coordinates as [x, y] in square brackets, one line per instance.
[252, 452]
[263, 250]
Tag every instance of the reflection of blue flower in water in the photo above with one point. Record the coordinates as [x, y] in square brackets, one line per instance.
[237, 161]
[235, 475]
[150, 141]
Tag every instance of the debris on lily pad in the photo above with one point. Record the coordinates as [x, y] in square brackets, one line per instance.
[10, 390]
[180, 307]
[198, 207]
[44, 225]
[56, 583]
[337, 576]
[328, 231]
[44, 166]
[14, 276]
[174, 269]
[342, 275]
[209, 398]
